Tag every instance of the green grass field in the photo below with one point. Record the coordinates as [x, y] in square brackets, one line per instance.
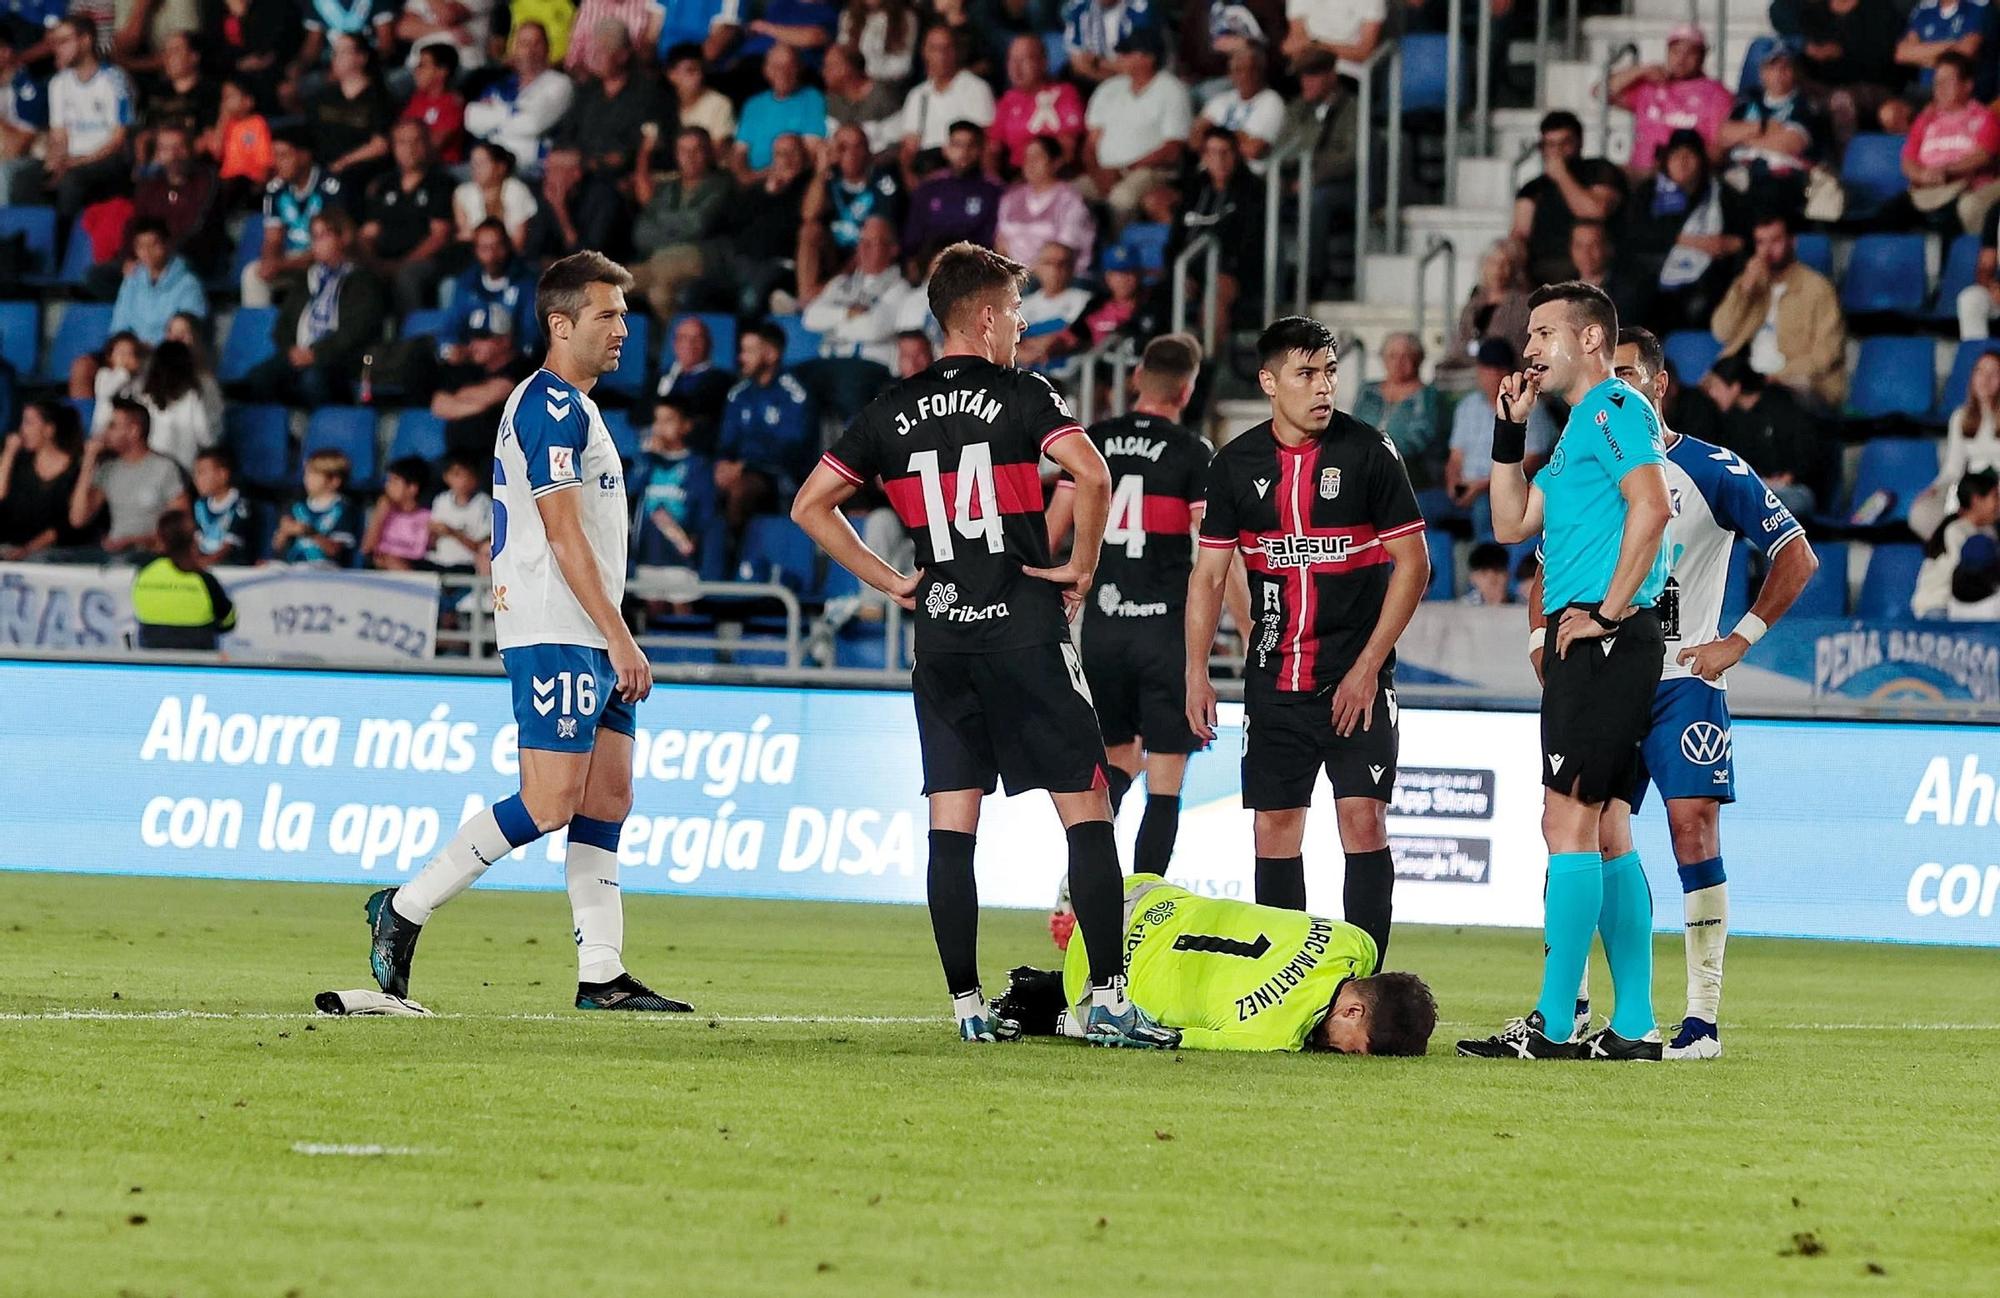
[1848, 1144]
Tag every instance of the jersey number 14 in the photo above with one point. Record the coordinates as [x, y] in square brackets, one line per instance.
[975, 506]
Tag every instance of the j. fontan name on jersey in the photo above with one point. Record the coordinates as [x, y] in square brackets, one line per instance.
[956, 402]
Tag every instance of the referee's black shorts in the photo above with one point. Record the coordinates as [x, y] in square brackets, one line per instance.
[1597, 707]
[1138, 680]
[1289, 738]
[1022, 716]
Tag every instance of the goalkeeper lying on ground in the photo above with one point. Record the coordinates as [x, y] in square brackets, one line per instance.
[1234, 976]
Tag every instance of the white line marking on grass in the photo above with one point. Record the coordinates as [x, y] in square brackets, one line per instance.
[351, 1151]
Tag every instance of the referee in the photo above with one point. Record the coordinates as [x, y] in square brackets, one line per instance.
[1602, 506]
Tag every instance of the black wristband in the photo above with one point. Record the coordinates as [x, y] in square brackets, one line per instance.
[1596, 612]
[1510, 441]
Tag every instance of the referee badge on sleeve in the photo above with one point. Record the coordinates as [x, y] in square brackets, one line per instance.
[1329, 484]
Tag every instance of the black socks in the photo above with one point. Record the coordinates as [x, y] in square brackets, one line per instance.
[1371, 876]
[954, 898]
[1161, 825]
[1097, 893]
[1281, 881]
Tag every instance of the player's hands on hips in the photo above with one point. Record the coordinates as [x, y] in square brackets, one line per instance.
[1710, 660]
[1518, 392]
[1354, 700]
[635, 674]
[1201, 705]
[1577, 624]
[904, 590]
[1074, 580]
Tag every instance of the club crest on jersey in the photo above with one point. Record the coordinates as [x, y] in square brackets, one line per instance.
[562, 464]
[565, 727]
[1329, 484]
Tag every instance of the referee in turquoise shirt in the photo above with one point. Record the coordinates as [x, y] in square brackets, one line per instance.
[1601, 504]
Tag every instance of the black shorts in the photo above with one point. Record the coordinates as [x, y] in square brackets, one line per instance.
[1597, 707]
[1138, 680]
[1288, 738]
[1023, 716]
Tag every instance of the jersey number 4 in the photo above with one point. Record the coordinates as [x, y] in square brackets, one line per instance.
[1126, 525]
[975, 506]
[1207, 944]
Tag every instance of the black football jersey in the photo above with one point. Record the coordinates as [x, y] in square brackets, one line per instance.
[1159, 474]
[957, 449]
[1310, 522]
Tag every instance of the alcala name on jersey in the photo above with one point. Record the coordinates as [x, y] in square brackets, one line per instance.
[1145, 448]
[957, 402]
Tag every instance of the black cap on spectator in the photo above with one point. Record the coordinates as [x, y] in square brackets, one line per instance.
[682, 53]
[1498, 353]
[1141, 40]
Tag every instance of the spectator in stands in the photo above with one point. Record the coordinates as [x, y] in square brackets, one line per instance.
[884, 33]
[1970, 533]
[709, 26]
[789, 107]
[461, 520]
[494, 298]
[472, 381]
[696, 103]
[321, 526]
[328, 321]
[1213, 30]
[519, 111]
[602, 27]
[259, 44]
[1138, 124]
[40, 464]
[182, 97]
[682, 230]
[770, 430]
[1468, 465]
[1034, 107]
[1497, 307]
[1668, 98]
[947, 95]
[914, 353]
[1248, 109]
[607, 119]
[121, 474]
[673, 492]
[1405, 408]
[493, 191]
[1971, 441]
[398, 535]
[1092, 30]
[1228, 203]
[406, 223]
[462, 28]
[853, 99]
[1042, 208]
[1325, 115]
[158, 287]
[1949, 157]
[1769, 427]
[117, 368]
[1350, 30]
[373, 23]
[177, 604]
[1774, 139]
[1053, 313]
[298, 192]
[240, 145]
[24, 118]
[435, 106]
[806, 27]
[180, 424]
[1571, 188]
[1486, 575]
[961, 203]
[1937, 29]
[575, 210]
[1784, 317]
[855, 313]
[1683, 231]
[1849, 52]
[180, 192]
[693, 380]
[849, 189]
[187, 330]
[221, 514]
[88, 149]
[1115, 308]
[350, 117]
[1979, 301]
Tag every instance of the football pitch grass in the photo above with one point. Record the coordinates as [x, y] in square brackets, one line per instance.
[173, 1120]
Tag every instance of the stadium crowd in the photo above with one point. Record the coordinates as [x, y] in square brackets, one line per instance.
[375, 186]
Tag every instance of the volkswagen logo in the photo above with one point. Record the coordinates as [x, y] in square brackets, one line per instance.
[1705, 744]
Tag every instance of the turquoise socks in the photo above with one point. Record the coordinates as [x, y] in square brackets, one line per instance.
[1626, 921]
[1579, 893]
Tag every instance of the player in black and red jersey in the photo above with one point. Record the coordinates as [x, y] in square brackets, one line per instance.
[1320, 507]
[999, 688]
[1134, 649]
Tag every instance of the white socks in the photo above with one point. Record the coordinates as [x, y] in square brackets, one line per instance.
[1707, 911]
[598, 908]
[969, 1005]
[478, 844]
[1111, 996]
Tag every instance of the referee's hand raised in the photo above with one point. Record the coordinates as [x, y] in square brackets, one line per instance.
[1518, 392]
[1074, 580]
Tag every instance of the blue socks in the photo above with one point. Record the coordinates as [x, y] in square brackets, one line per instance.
[1625, 918]
[1578, 891]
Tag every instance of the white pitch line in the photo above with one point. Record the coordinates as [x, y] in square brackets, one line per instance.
[351, 1151]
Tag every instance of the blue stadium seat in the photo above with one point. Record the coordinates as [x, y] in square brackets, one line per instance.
[1148, 242]
[261, 436]
[623, 435]
[79, 256]
[1891, 577]
[1893, 376]
[20, 334]
[1427, 69]
[777, 549]
[1961, 267]
[1872, 173]
[721, 337]
[1444, 575]
[629, 379]
[1903, 465]
[419, 433]
[83, 329]
[1960, 378]
[1885, 272]
[1057, 48]
[1815, 250]
[418, 323]
[86, 411]
[1691, 352]
[248, 343]
[1826, 594]
[37, 226]
[351, 431]
[801, 343]
[1750, 81]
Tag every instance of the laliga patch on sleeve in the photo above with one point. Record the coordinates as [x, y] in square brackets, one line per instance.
[562, 464]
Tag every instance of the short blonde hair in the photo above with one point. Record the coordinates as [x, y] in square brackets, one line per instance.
[333, 463]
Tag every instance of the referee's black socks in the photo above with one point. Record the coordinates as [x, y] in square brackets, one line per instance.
[1371, 877]
[1097, 894]
[1119, 784]
[1160, 826]
[954, 898]
[1281, 882]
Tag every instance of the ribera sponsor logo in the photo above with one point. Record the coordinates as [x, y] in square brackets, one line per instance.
[1443, 792]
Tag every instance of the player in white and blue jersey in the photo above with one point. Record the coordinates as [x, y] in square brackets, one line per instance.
[559, 536]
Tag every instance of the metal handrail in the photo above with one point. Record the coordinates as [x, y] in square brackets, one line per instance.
[1721, 35]
[1454, 53]
[1353, 346]
[1209, 248]
[1118, 354]
[1391, 53]
[1529, 148]
[479, 642]
[1300, 151]
[1541, 53]
[1439, 246]
[1611, 62]
[1482, 108]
